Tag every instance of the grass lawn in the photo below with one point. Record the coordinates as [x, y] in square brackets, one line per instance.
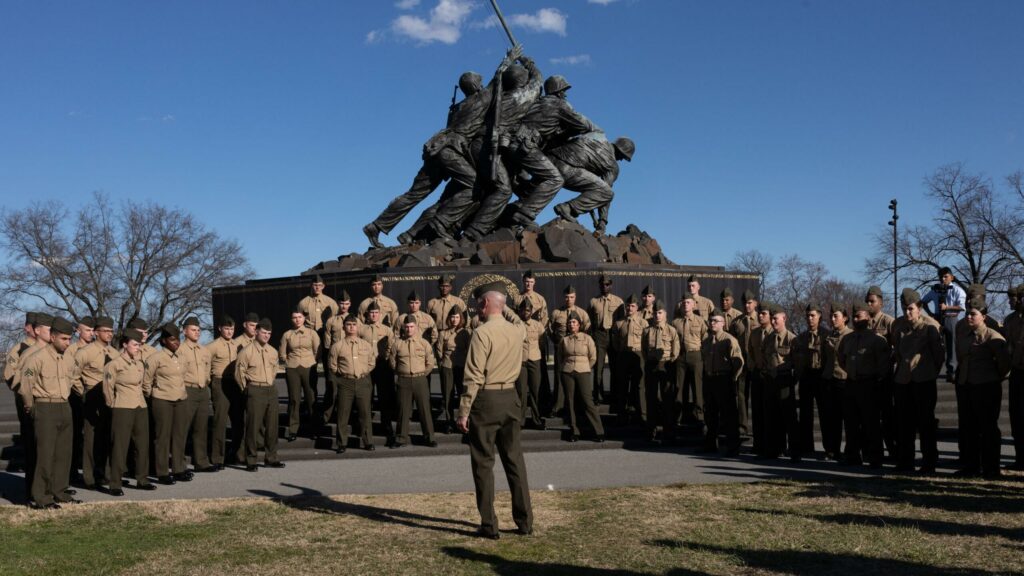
[872, 526]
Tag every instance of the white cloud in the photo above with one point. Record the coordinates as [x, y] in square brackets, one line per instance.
[373, 36]
[407, 4]
[168, 118]
[544, 20]
[574, 60]
[601, 2]
[444, 25]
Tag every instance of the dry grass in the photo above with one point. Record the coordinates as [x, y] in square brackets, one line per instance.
[877, 526]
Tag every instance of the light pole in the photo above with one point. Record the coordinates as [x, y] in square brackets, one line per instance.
[895, 264]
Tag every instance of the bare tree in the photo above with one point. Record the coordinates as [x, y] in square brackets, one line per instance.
[135, 260]
[753, 261]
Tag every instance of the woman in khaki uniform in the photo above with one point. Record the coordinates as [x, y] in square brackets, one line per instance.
[125, 391]
[450, 348]
[579, 354]
[298, 352]
[528, 384]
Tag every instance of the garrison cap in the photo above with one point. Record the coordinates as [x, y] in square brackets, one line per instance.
[763, 306]
[776, 309]
[725, 293]
[44, 319]
[909, 296]
[376, 278]
[408, 319]
[298, 310]
[169, 331]
[570, 289]
[812, 307]
[631, 299]
[689, 296]
[132, 334]
[524, 305]
[265, 324]
[351, 319]
[976, 290]
[413, 296]
[837, 307]
[446, 279]
[658, 305]
[528, 274]
[692, 278]
[647, 290]
[373, 306]
[87, 321]
[344, 296]
[104, 322]
[317, 279]
[225, 320]
[977, 303]
[717, 312]
[748, 296]
[252, 317]
[30, 317]
[875, 291]
[191, 321]
[859, 307]
[61, 325]
[604, 279]
[492, 287]
[574, 316]
[138, 324]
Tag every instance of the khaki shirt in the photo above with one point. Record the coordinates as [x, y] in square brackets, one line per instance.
[352, 358]
[165, 375]
[425, 324]
[661, 343]
[722, 356]
[757, 337]
[334, 330]
[534, 336]
[451, 347]
[579, 353]
[809, 351]
[864, 355]
[919, 353]
[731, 315]
[223, 354]
[47, 374]
[380, 336]
[241, 341]
[983, 357]
[388, 309]
[494, 359]
[145, 351]
[703, 308]
[298, 348]
[629, 333]
[439, 307]
[257, 364]
[90, 360]
[882, 325]
[901, 326]
[124, 383]
[560, 322]
[647, 313]
[692, 331]
[195, 363]
[540, 306]
[832, 370]
[604, 311]
[318, 309]
[411, 357]
[963, 330]
[778, 353]
[14, 356]
[743, 328]
[74, 347]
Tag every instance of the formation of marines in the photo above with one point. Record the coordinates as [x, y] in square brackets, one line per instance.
[516, 136]
[105, 406]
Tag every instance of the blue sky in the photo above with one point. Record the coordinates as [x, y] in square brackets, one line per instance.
[783, 126]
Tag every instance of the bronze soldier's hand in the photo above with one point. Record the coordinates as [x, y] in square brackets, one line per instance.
[462, 423]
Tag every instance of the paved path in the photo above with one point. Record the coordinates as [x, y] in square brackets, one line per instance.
[547, 470]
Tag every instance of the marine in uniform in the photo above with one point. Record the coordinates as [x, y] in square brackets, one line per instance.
[809, 362]
[490, 412]
[528, 384]
[759, 381]
[298, 352]
[723, 369]
[236, 393]
[689, 381]
[195, 362]
[983, 359]
[165, 375]
[86, 331]
[540, 314]
[124, 391]
[318, 308]
[383, 377]
[648, 298]
[628, 393]
[146, 350]
[388, 307]
[90, 361]
[351, 359]
[579, 354]
[865, 357]
[439, 307]
[742, 327]
[450, 349]
[557, 330]
[779, 408]
[704, 306]
[45, 386]
[1013, 331]
[255, 372]
[12, 376]
[426, 327]
[660, 349]
[223, 355]
[919, 359]
[334, 331]
[834, 385]
[603, 311]
[881, 323]
[412, 359]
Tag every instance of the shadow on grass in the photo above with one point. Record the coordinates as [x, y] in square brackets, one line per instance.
[937, 527]
[12, 487]
[315, 501]
[811, 562]
[930, 493]
[503, 566]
